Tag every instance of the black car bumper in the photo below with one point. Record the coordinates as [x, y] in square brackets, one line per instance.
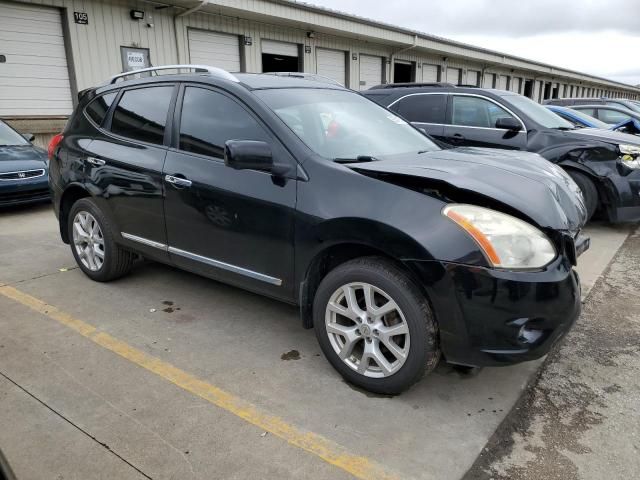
[23, 192]
[490, 317]
[624, 193]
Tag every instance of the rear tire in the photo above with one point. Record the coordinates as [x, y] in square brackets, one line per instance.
[375, 326]
[589, 191]
[93, 245]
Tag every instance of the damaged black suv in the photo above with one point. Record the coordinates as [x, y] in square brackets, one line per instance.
[396, 251]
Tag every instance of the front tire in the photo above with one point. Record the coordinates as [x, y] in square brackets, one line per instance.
[92, 243]
[375, 326]
[589, 191]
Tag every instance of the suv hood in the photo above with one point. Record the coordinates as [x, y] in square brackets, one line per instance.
[522, 181]
[608, 136]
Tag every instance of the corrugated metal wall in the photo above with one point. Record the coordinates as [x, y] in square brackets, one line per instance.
[96, 53]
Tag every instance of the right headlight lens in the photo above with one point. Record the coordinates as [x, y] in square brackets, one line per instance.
[507, 242]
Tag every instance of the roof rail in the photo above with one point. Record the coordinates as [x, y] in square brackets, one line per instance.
[213, 71]
[411, 85]
[307, 76]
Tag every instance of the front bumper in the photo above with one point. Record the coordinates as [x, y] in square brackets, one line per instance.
[624, 195]
[490, 317]
[24, 191]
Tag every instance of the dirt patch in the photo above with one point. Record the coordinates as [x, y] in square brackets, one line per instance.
[290, 355]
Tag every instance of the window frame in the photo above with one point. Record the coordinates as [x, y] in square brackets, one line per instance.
[106, 123]
[107, 113]
[174, 142]
[394, 107]
[504, 107]
[449, 103]
[399, 99]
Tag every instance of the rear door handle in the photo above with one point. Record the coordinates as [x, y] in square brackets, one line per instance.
[177, 181]
[95, 161]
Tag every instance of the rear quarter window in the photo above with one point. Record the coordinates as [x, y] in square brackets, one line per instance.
[422, 108]
[98, 108]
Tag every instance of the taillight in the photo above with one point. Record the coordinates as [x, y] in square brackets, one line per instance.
[53, 144]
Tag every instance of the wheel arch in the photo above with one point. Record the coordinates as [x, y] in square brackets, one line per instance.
[71, 195]
[331, 257]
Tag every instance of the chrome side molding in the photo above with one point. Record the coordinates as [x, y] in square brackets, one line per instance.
[199, 258]
[226, 266]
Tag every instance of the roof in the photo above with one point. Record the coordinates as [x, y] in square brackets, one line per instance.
[262, 80]
[433, 43]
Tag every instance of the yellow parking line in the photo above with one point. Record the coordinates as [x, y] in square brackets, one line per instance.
[330, 452]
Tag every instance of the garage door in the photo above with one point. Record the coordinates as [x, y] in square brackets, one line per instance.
[430, 73]
[280, 48]
[332, 64]
[34, 79]
[454, 75]
[370, 71]
[473, 78]
[215, 49]
[503, 82]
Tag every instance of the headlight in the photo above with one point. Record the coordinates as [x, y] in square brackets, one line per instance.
[506, 241]
[629, 155]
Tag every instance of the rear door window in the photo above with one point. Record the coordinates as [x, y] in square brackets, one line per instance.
[209, 119]
[476, 112]
[98, 108]
[141, 114]
[422, 108]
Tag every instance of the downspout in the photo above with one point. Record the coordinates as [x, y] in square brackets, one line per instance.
[175, 24]
[393, 54]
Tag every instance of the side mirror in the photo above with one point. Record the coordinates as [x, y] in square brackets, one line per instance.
[29, 137]
[508, 123]
[248, 155]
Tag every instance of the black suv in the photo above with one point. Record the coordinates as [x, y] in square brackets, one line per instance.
[603, 163]
[395, 250]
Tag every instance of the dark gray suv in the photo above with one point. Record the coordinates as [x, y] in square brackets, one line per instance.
[603, 163]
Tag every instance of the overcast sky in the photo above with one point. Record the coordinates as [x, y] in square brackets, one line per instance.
[601, 37]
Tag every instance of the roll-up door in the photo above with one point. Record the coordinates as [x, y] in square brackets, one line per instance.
[370, 71]
[473, 78]
[332, 64]
[215, 49]
[280, 56]
[280, 48]
[489, 79]
[503, 82]
[430, 73]
[34, 78]
[453, 75]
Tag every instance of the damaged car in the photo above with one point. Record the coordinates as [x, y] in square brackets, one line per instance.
[604, 164]
[397, 252]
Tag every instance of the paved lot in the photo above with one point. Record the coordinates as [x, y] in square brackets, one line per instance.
[580, 418]
[94, 384]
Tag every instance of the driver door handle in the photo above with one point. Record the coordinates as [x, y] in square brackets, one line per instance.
[177, 181]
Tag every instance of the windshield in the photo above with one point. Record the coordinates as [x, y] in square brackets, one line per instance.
[589, 120]
[9, 137]
[537, 112]
[339, 124]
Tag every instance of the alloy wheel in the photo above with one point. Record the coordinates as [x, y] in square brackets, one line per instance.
[367, 330]
[88, 241]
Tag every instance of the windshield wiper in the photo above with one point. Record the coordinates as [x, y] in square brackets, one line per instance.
[564, 129]
[358, 159]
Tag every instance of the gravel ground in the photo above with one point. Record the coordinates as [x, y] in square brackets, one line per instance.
[580, 418]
